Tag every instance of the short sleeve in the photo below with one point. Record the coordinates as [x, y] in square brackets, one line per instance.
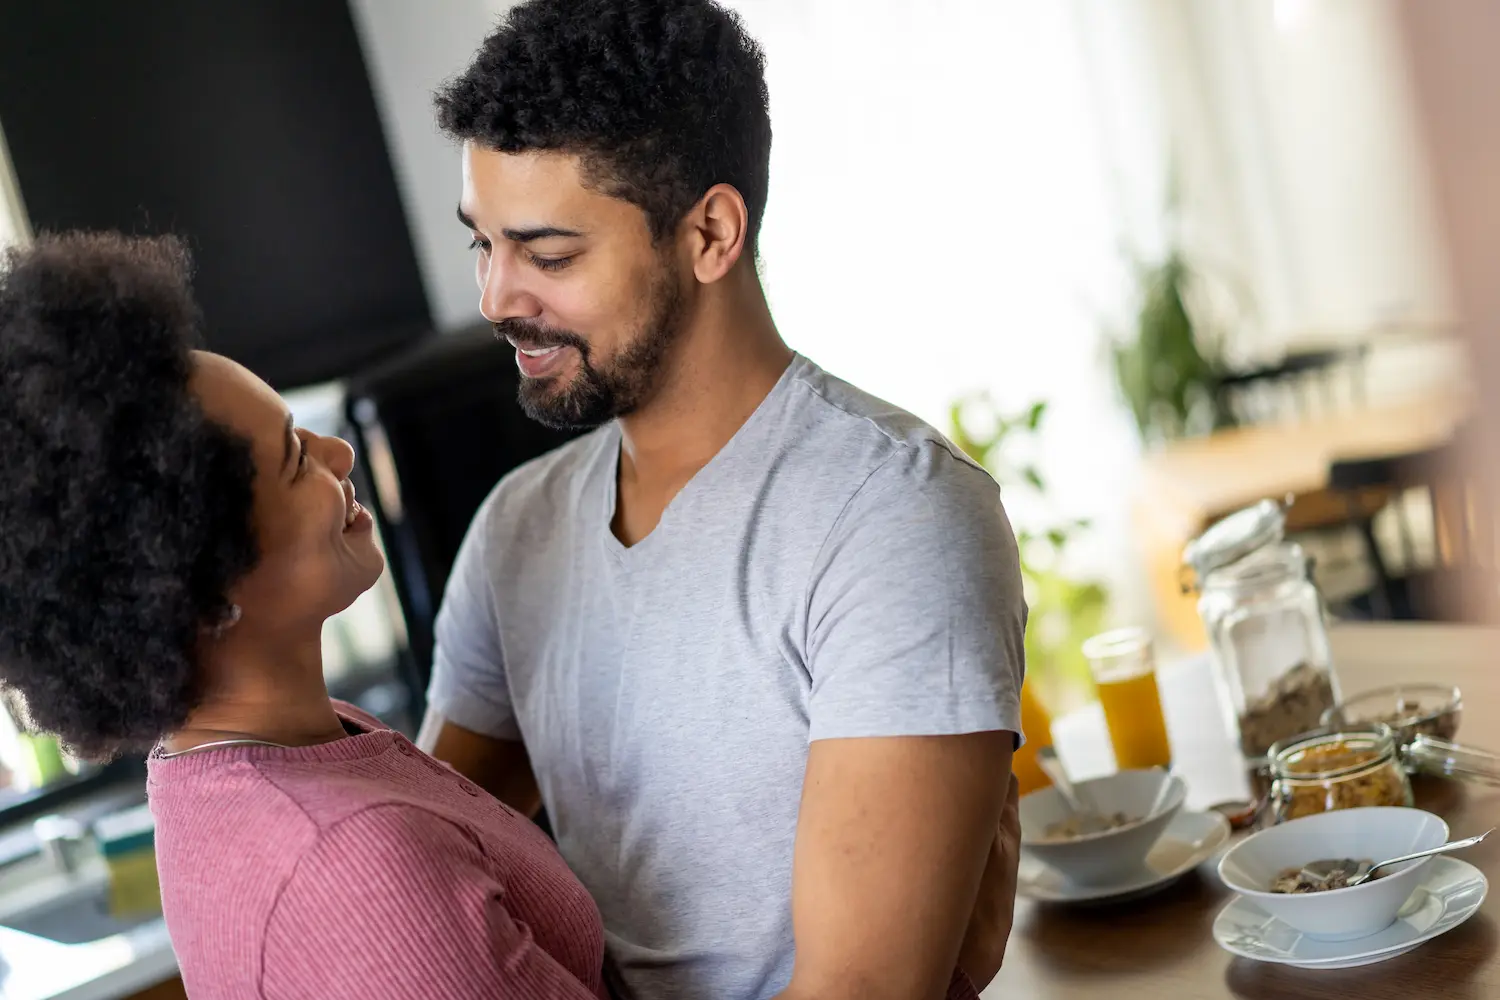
[468, 686]
[395, 903]
[916, 615]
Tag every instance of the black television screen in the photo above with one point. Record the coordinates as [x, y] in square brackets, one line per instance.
[251, 130]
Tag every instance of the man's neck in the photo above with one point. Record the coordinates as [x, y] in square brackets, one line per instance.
[723, 371]
[727, 362]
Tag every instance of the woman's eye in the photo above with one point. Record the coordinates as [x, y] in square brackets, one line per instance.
[479, 244]
[549, 263]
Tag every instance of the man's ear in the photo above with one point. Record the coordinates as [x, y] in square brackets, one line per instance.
[716, 228]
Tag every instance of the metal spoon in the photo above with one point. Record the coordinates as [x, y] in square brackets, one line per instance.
[1320, 870]
[1088, 818]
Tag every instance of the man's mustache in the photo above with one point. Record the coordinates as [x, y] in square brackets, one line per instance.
[535, 336]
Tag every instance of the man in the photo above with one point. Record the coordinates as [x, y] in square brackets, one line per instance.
[755, 641]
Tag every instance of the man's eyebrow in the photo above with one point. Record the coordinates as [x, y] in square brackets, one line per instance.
[537, 233]
[527, 235]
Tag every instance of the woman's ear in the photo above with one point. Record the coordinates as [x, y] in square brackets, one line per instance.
[227, 622]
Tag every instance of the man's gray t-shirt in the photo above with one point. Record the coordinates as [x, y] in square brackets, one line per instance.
[839, 569]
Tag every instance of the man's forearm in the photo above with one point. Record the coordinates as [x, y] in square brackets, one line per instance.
[500, 767]
[959, 988]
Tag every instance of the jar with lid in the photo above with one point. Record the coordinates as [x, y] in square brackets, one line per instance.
[1333, 769]
[1266, 627]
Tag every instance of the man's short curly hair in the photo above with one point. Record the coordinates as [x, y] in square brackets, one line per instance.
[661, 100]
[125, 514]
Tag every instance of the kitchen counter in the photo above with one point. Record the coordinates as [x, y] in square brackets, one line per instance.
[33, 968]
[56, 941]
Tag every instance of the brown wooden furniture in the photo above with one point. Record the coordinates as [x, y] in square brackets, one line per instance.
[172, 989]
[1163, 947]
[1190, 484]
[1458, 583]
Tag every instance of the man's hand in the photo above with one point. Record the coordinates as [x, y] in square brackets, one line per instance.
[983, 949]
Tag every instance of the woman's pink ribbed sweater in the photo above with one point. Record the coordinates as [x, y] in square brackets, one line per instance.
[362, 870]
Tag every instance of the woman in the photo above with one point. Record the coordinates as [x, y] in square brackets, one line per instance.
[170, 547]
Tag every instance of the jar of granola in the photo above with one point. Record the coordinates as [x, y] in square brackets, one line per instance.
[1332, 769]
[1266, 629]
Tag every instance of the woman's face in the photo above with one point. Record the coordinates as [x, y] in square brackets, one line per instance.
[317, 545]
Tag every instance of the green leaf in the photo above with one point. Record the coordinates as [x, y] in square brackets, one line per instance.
[1034, 415]
[1032, 476]
[1058, 537]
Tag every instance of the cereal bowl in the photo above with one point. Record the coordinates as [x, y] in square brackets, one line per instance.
[1147, 798]
[1373, 834]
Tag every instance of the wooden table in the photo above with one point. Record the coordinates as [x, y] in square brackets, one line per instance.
[1162, 948]
[1188, 485]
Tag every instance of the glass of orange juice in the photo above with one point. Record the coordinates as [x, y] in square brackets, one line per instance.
[1124, 667]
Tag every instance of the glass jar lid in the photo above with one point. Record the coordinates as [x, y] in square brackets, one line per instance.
[1235, 537]
[1429, 755]
[1331, 753]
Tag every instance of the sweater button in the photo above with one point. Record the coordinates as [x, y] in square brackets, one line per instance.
[404, 747]
[470, 789]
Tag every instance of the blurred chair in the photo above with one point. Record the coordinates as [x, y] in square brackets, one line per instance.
[1442, 513]
[436, 429]
[1302, 385]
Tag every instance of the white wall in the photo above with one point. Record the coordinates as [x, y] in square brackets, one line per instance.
[941, 220]
[411, 47]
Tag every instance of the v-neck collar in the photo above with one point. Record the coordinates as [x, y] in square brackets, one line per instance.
[697, 484]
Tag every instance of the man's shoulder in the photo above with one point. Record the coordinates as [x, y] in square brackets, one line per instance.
[873, 443]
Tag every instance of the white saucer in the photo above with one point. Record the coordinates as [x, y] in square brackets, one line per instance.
[1450, 893]
[1188, 841]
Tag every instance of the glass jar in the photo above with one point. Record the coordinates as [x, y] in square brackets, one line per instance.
[1331, 769]
[1266, 627]
[1411, 710]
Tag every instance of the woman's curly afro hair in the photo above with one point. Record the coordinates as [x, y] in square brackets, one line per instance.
[662, 99]
[125, 514]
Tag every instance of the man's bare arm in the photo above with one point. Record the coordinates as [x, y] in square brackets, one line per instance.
[892, 840]
[500, 767]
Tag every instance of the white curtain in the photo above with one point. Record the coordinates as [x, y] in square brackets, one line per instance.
[1304, 169]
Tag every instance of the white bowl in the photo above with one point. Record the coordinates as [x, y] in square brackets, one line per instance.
[1339, 914]
[1103, 858]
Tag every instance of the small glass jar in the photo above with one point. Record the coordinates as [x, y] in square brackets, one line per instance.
[1267, 629]
[1411, 710]
[1331, 769]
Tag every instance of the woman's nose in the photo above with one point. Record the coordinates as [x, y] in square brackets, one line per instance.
[338, 455]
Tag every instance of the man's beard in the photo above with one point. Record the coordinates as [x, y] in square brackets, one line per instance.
[595, 396]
